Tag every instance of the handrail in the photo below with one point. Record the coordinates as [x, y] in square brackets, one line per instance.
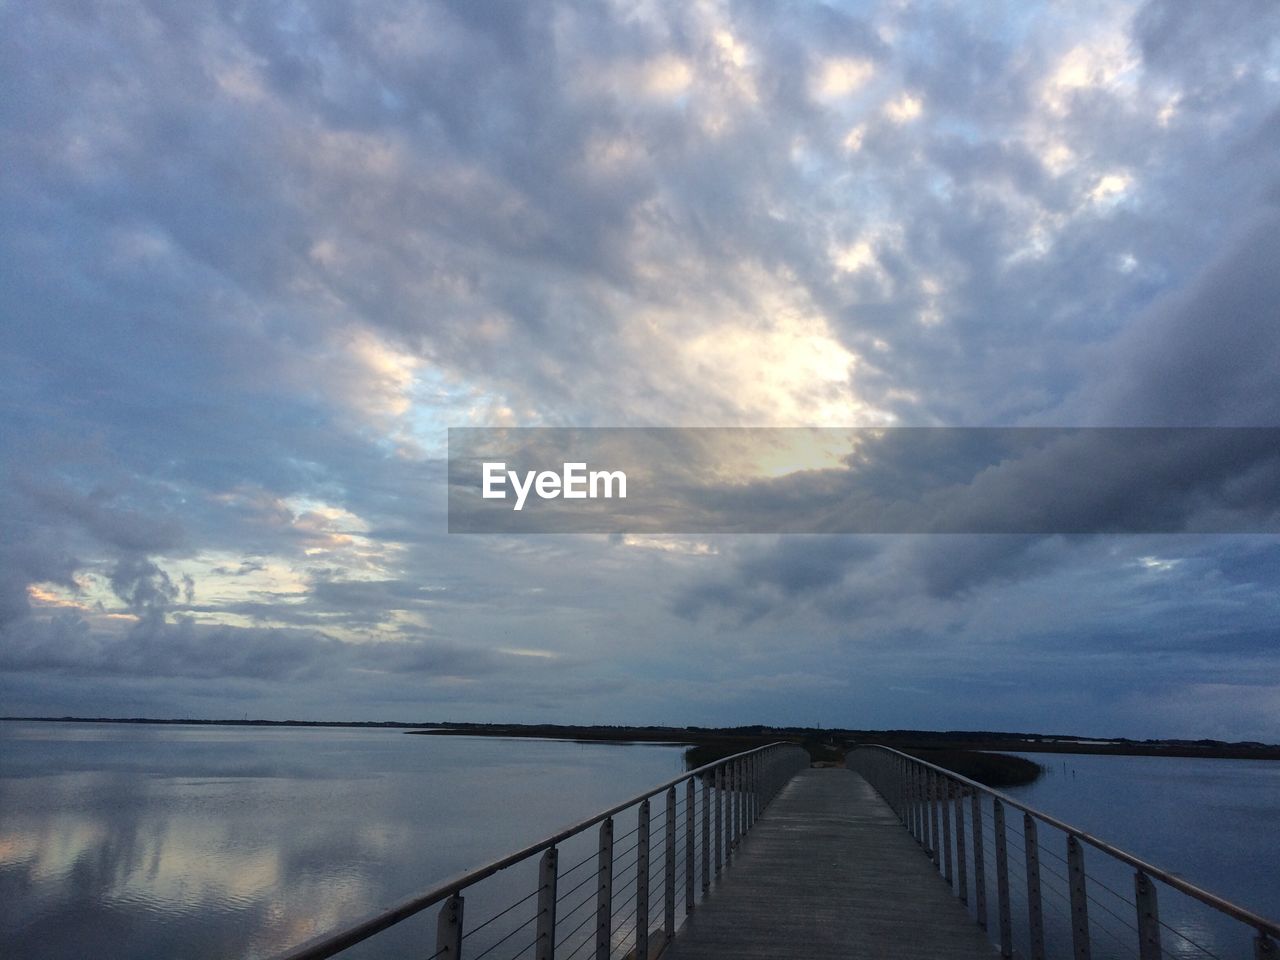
[326, 945]
[1190, 889]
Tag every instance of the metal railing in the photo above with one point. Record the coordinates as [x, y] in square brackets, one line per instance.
[973, 849]
[618, 895]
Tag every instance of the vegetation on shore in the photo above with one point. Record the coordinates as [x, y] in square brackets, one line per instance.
[744, 738]
[991, 769]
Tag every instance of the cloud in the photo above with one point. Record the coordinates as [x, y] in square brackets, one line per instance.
[154, 649]
[146, 590]
[791, 567]
[1205, 354]
[258, 258]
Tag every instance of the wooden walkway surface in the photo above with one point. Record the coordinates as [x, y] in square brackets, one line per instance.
[827, 872]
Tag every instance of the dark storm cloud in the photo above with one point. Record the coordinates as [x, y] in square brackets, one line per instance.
[66, 645]
[121, 527]
[30, 559]
[952, 565]
[46, 527]
[858, 575]
[147, 591]
[796, 567]
[1203, 48]
[1206, 354]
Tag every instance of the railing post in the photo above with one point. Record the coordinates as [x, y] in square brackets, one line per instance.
[891, 772]
[738, 807]
[904, 779]
[642, 882]
[1035, 906]
[979, 862]
[669, 858]
[766, 781]
[904, 791]
[917, 822]
[730, 811]
[934, 832]
[962, 868]
[706, 836]
[944, 801]
[735, 807]
[766, 770]
[1002, 882]
[690, 840]
[1264, 948]
[740, 781]
[917, 788]
[604, 892]
[547, 905]
[925, 820]
[890, 766]
[719, 818]
[926, 807]
[1144, 898]
[759, 785]
[908, 820]
[913, 777]
[1079, 899]
[449, 929]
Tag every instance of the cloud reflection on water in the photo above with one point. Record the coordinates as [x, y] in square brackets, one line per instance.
[111, 839]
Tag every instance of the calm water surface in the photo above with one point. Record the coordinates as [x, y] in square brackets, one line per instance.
[136, 841]
[1215, 823]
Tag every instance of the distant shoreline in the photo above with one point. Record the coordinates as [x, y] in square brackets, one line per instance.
[750, 736]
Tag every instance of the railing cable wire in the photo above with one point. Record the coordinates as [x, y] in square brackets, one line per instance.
[500, 915]
[587, 859]
[591, 877]
[569, 936]
[1199, 946]
[493, 946]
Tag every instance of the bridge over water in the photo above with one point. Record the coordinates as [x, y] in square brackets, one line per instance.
[760, 855]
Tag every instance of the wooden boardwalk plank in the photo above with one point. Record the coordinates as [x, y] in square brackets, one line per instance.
[829, 872]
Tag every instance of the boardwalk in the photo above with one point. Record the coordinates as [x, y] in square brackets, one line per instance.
[829, 872]
[826, 871]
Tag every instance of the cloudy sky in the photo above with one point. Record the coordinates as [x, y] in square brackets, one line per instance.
[257, 257]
